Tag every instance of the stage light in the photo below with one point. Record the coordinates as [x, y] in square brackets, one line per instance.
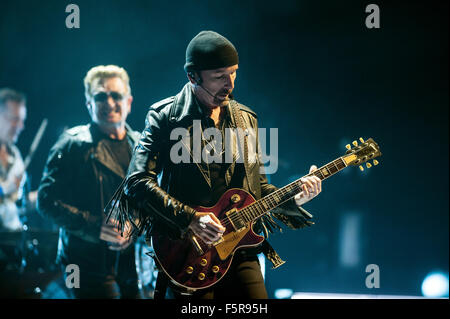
[283, 293]
[435, 285]
[262, 263]
[349, 240]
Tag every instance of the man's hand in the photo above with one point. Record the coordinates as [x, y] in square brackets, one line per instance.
[110, 234]
[311, 187]
[207, 227]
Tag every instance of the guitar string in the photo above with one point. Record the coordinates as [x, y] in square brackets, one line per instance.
[247, 214]
[281, 193]
[247, 211]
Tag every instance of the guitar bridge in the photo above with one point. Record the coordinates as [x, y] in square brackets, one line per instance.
[217, 242]
[236, 220]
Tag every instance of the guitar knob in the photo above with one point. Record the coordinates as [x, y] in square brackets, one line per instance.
[235, 198]
[361, 140]
[201, 276]
[355, 143]
[375, 162]
[348, 146]
[189, 270]
[361, 168]
[368, 165]
[203, 262]
[215, 269]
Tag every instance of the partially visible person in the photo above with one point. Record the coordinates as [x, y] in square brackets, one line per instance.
[12, 171]
[84, 167]
[163, 192]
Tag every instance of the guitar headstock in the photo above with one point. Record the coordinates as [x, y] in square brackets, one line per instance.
[362, 153]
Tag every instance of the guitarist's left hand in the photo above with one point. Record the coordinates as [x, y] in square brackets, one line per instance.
[311, 187]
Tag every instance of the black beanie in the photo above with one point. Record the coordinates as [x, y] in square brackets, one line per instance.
[209, 50]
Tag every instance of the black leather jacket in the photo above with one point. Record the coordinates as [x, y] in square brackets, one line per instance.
[71, 191]
[158, 191]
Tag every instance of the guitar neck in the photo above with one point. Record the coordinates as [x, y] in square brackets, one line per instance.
[281, 195]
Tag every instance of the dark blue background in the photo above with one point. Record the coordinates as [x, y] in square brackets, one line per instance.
[309, 68]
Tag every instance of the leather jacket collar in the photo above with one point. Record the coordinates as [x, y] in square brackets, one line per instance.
[186, 107]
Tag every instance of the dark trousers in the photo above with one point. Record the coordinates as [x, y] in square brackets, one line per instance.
[120, 282]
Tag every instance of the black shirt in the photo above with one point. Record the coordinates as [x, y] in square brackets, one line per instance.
[120, 151]
[217, 171]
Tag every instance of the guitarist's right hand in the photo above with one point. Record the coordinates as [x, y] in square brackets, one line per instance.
[207, 227]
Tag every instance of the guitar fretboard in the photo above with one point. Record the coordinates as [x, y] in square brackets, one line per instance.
[275, 199]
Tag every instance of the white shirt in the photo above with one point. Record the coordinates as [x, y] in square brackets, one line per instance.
[9, 212]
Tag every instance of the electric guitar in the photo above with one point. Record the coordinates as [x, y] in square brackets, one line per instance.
[192, 264]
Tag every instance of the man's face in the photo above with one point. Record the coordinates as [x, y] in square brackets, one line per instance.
[219, 83]
[12, 119]
[110, 102]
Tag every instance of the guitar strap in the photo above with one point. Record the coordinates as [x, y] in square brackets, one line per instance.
[271, 254]
[266, 248]
[242, 135]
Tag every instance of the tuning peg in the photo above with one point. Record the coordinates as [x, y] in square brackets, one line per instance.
[361, 140]
[355, 143]
[375, 162]
[361, 168]
[348, 146]
[368, 165]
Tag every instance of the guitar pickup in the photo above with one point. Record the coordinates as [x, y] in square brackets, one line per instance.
[236, 220]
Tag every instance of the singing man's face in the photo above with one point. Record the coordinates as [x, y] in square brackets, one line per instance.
[219, 83]
[110, 102]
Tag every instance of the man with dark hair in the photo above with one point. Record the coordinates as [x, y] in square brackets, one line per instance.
[161, 192]
[83, 169]
[12, 171]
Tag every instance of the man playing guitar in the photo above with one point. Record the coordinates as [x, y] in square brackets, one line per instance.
[161, 194]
